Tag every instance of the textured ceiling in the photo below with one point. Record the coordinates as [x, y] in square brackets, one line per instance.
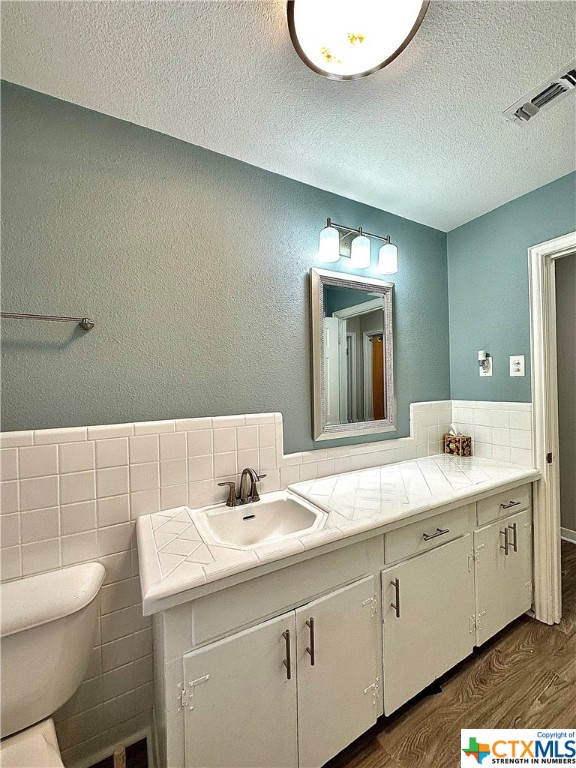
[424, 138]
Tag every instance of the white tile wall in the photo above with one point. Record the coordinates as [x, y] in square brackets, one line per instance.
[73, 495]
[501, 431]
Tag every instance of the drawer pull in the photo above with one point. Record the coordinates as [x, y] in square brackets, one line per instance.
[510, 504]
[506, 544]
[438, 532]
[396, 606]
[288, 660]
[514, 529]
[310, 649]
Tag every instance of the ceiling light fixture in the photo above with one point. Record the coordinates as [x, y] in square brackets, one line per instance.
[338, 241]
[348, 39]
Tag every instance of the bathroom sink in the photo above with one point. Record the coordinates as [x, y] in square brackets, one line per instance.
[277, 516]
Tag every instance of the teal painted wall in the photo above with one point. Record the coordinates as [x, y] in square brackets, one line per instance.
[488, 288]
[195, 267]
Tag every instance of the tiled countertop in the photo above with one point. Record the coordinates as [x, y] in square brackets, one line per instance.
[176, 565]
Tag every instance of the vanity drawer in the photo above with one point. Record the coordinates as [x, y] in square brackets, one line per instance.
[426, 534]
[504, 504]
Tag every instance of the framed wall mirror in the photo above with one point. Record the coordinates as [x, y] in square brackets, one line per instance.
[352, 351]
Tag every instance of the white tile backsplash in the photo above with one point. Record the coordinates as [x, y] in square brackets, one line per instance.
[77, 486]
[109, 431]
[224, 440]
[113, 510]
[76, 457]
[72, 495]
[57, 436]
[247, 437]
[16, 439]
[174, 496]
[10, 530]
[112, 453]
[173, 446]
[501, 431]
[41, 556]
[224, 464]
[38, 461]
[38, 493]
[76, 518]
[8, 464]
[9, 496]
[200, 443]
[173, 472]
[39, 525]
[11, 563]
[144, 449]
[112, 482]
[144, 477]
[79, 548]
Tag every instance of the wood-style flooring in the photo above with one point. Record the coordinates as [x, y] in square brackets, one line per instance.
[525, 677]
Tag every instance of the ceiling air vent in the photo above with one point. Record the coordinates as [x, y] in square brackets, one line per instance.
[543, 97]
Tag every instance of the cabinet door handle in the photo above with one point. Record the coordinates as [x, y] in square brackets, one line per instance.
[506, 542]
[288, 660]
[510, 504]
[437, 532]
[514, 529]
[311, 649]
[396, 606]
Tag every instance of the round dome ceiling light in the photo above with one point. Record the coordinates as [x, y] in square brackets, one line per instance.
[348, 39]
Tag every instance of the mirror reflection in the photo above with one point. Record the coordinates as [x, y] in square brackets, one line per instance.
[354, 355]
[352, 326]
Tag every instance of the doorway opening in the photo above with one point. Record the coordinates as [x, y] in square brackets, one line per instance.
[542, 274]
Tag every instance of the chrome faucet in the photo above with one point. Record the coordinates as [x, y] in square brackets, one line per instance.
[246, 496]
[248, 490]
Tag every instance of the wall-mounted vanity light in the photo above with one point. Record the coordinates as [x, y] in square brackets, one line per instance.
[338, 241]
[345, 40]
[484, 363]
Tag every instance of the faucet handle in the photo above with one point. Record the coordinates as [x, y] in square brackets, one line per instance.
[255, 494]
[232, 500]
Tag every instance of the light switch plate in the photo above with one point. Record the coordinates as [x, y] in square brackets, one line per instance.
[517, 367]
[487, 371]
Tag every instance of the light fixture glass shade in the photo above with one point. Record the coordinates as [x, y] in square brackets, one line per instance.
[344, 40]
[329, 249]
[360, 252]
[388, 259]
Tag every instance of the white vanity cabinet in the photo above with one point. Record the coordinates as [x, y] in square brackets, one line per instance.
[503, 555]
[338, 694]
[439, 602]
[428, 602]
[241, 707]
[293, 691]
[286, 667]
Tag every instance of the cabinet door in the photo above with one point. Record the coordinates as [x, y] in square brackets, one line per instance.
[503, 581]
[241, 709]
[427, 610]
[337, 693]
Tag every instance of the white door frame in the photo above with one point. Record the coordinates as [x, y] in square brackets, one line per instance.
[541, 270]
[353, 376]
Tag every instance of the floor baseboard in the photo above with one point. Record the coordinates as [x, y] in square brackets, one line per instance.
[567, 535]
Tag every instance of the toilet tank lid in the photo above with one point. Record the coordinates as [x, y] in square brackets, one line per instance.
[35, 600]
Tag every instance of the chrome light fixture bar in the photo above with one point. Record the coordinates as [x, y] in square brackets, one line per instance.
[338, 241]
[349, 39]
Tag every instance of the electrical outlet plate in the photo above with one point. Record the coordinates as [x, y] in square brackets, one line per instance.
[486, 370]
[517, 366]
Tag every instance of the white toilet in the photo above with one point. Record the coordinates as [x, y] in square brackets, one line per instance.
[47, 630]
